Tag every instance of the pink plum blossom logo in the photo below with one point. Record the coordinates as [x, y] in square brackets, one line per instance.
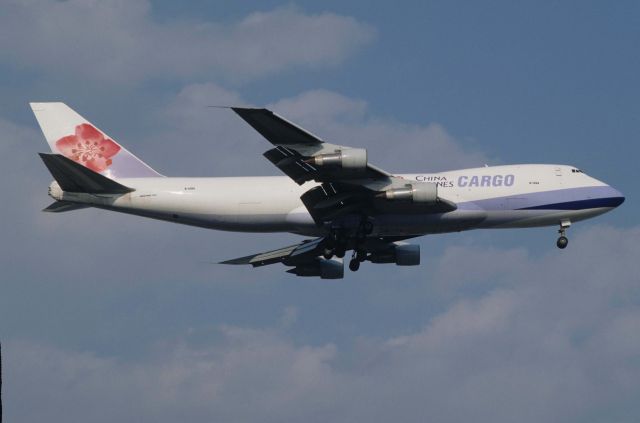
[89, 147]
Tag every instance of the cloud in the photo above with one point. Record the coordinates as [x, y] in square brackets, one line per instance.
[256, 370]
[121, 41]
[207, 132]
[183, 131]
[397, 146]
[108, 317]
[557, 344]
[87, 263]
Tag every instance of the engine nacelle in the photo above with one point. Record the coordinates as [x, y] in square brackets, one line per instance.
[326, 269]
[423, 193]
[399, 253]
[350, 159]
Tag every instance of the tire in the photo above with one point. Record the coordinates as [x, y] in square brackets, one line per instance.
[340, 252]
[562, 242]
[354, 265]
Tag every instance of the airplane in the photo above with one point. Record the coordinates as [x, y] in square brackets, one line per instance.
[330, 194]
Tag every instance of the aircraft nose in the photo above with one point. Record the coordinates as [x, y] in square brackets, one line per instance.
[615, 197]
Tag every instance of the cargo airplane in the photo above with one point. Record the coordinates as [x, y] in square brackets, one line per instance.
[331, 194]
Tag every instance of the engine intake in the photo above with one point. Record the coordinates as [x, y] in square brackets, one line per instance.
[351, 159]
[399, 253]
[423, 193]
[326, 269]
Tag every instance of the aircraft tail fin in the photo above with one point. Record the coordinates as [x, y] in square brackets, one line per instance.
[74, 177]
[73, 136]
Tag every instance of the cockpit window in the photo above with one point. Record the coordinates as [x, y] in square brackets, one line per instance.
[576, 171]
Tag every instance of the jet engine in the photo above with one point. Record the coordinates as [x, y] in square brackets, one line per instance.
[399, 253]
[423, 193]
[326, 269]
[350, 159]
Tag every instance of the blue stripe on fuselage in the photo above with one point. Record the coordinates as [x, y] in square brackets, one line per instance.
[592, 203]
[562, 199]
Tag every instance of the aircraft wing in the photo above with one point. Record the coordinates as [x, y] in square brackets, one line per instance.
[349, 184]
[294, 146]
[291, 255]
[304, 258]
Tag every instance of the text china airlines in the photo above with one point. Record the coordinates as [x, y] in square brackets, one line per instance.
[470, 181]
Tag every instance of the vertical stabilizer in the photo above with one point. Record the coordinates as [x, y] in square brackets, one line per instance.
[74, 137]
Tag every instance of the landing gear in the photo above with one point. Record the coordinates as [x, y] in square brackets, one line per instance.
[366, 227]
[357, 258]
[349, 237]
[354, 264]
[336, 245]
[338, 251]
[563, 241]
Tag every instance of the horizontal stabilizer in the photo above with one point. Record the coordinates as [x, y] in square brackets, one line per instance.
[63, 206]
[73, 177]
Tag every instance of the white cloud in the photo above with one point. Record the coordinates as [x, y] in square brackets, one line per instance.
[220, 142]
[398, 147]
[558, 344]
[120, 41]
[256, 370]
[213, 142]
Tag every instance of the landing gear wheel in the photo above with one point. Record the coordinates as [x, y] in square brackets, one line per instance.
[562, 242]
[328, 253]
[340, 252]
[354, 264]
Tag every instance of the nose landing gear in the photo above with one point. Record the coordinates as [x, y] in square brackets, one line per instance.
[563, 241]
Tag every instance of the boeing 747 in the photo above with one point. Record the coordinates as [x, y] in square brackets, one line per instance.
[330, 194]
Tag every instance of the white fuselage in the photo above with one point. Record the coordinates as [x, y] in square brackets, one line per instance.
[487, 197]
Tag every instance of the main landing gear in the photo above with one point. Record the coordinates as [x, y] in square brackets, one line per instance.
[338, 251]
[341, 240]
[357, 258]
[563, 241]
[359, 255]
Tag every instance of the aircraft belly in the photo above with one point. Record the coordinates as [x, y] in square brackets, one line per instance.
[420, 224]
[537, 218]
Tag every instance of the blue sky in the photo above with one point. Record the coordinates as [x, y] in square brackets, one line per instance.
[105, 316]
